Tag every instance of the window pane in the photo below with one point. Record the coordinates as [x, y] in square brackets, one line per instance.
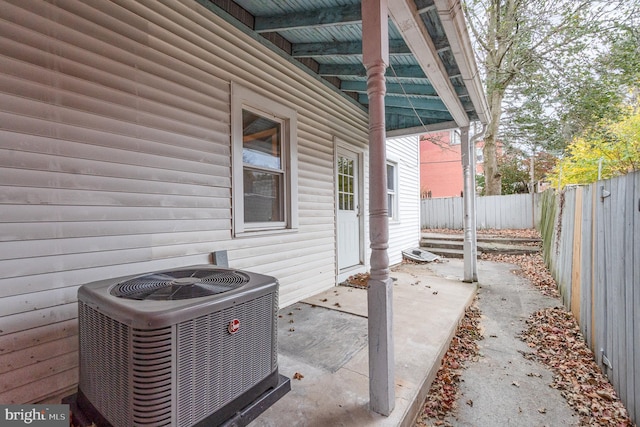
[262, 196]
[390, 205]
[261, 145]
[391, 177]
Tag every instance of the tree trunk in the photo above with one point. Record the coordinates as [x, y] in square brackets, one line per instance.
[492, 176]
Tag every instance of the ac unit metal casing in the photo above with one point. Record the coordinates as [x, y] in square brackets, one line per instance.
[177, 362]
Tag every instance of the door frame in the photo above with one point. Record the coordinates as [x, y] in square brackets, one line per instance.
[340, 146]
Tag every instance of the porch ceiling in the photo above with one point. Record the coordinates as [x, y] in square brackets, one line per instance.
[432, 79]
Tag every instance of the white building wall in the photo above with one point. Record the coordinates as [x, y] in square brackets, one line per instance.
[115, 159]
[404, 232]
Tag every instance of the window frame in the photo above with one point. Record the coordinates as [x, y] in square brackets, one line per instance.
[243, 98]
[393, 205]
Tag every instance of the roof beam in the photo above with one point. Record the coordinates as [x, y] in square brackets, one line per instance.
[398, 100]
[421, 128]
[425, 115]
[411, 89]
[396, 47]
[309, 18]
[424, 6]
[407, 20]
[406, 71]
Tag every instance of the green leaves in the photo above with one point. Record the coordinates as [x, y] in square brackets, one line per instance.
[613, 149]
[553, 68]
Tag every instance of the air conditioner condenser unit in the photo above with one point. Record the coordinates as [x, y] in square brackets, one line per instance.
[177, 347]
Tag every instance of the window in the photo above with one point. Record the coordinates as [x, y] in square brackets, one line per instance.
[455, 137]
[346, 188]
[392, 190]
[264, 192]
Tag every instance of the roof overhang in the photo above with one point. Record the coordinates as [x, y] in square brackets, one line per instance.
[432, 79]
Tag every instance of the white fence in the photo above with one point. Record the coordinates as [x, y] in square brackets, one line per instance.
[514, 211]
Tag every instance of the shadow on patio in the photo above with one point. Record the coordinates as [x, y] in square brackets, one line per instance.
[323, 349]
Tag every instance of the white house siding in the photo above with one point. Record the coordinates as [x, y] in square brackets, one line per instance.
[115, 159]
[404, 233]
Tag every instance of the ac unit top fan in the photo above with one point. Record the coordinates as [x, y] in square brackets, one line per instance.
[162, 298]
[180, 284]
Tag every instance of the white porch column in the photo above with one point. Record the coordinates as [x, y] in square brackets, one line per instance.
[469, 195]
[375, 50]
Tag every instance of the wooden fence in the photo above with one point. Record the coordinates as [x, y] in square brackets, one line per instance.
[515, 211]
[592, 247]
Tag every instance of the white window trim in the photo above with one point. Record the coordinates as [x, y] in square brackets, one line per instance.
[396, 199]
[243, 97]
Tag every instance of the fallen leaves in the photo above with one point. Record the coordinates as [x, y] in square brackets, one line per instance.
[532, 268]
[557, 341]
[298, 376]
[360, 280]
[443, 393]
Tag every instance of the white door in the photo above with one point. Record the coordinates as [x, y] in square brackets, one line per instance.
[349, 246]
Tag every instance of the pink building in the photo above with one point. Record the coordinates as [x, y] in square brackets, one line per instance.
[441, 164]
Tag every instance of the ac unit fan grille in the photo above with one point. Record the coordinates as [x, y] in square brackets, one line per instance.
[215, 367]
[180, 284]
[152, 377]
[104, 364]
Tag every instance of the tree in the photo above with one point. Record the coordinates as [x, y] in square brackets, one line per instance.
[518, 41]
[515, 168]
[613, 150]
[514, 173]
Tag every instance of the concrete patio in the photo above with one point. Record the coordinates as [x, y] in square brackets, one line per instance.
[323, 349]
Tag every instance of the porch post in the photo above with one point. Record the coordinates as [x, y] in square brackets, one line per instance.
[469, 195]
[375, 50]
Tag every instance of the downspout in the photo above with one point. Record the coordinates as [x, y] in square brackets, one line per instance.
[375, 50]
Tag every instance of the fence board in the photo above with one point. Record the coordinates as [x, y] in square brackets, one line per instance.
[576, 260]
[628, 285]
[600, 278]
[564, 250]
[636, 299]
[586, 271]
[617, 228]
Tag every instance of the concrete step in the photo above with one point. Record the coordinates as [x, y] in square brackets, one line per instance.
[451, 245]
[441, 244]
[481, 238]
[446, 252]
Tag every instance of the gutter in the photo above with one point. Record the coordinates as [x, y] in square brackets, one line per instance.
[453, 23]
[406, 17]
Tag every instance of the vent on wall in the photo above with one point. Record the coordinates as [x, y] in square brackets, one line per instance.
[176, 347]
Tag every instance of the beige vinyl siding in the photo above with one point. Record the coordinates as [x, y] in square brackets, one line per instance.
[115, 159]
[404, 233]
